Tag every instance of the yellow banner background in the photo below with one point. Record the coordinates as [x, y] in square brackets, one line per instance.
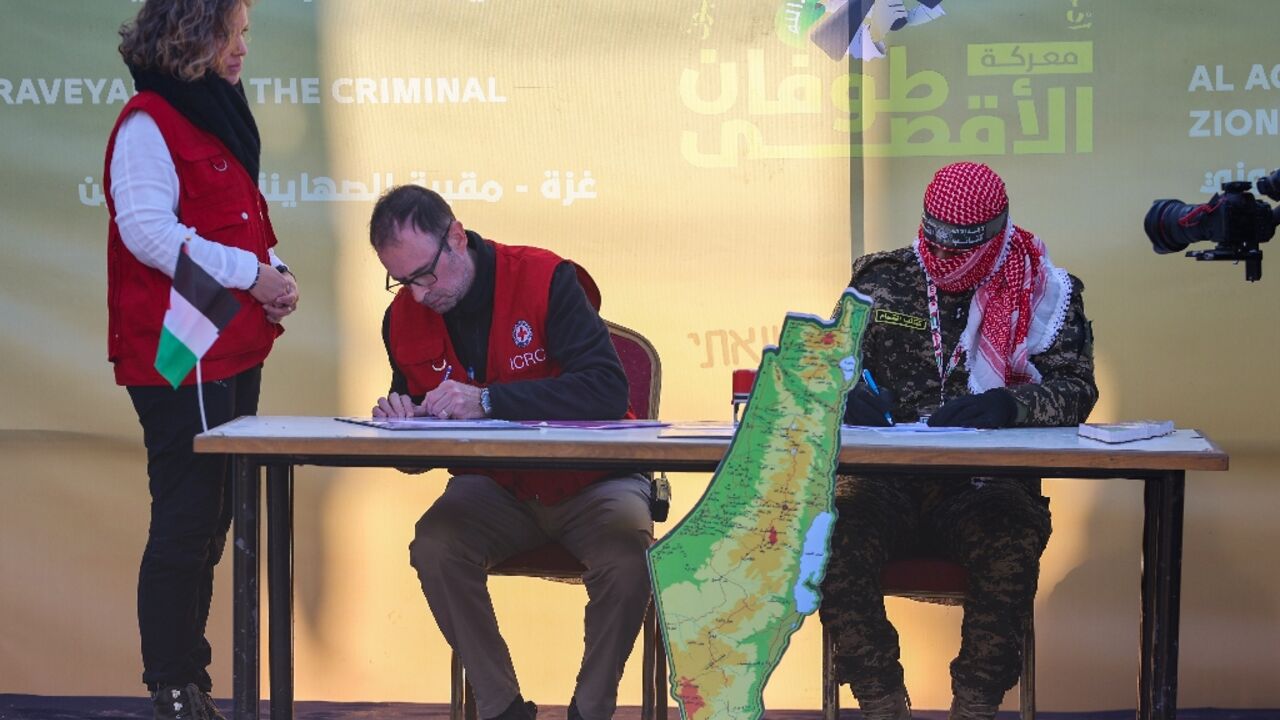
[712, 177]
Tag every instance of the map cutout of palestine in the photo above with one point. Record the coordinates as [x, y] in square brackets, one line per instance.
[739, 574]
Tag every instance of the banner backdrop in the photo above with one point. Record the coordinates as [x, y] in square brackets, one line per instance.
[714, 165]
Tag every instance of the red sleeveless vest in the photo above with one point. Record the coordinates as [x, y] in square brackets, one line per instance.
[423, 351]
[222, 203]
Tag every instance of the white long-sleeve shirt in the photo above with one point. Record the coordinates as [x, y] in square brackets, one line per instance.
[144, 188]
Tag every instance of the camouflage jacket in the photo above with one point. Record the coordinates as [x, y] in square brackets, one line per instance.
[898, 347]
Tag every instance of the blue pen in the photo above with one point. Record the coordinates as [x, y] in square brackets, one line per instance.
[448, 370]
[875, 390]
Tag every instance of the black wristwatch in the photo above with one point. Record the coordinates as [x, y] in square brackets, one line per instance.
[282, 269]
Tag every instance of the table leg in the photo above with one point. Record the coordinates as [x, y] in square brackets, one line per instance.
[245, 618]
[830, 688]
[1161, 595]
[660, 672]
[280, 588]
[648, 664]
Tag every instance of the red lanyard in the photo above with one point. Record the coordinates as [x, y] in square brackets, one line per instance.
[935, 329]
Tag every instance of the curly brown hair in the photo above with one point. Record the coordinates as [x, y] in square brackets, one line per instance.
[179, 37]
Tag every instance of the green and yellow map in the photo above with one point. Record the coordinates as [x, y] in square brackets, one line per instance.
[739, 574]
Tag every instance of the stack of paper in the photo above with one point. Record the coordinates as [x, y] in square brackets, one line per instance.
[1126, 431]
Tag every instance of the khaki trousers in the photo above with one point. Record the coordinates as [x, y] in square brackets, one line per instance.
[476, 524]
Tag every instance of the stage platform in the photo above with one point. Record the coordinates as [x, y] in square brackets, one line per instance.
[38, 707]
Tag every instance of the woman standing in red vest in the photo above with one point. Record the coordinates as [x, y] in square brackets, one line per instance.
[182, 168]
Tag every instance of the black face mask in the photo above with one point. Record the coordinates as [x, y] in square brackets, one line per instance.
[961, 237]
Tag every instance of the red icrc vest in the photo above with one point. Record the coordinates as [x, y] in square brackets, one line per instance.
[222, 203]
[424, 352]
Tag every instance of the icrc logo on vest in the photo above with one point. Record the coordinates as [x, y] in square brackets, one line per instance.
[529, 359]
[522, 334]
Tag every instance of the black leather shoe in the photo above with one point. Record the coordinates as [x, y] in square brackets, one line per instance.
[519, 709]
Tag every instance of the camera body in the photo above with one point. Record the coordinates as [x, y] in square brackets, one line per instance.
[1233, 219]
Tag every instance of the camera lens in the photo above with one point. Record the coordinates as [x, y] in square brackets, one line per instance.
[1270, 185]
[1161, 225]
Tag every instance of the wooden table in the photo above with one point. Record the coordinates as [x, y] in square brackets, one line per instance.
[281, 443]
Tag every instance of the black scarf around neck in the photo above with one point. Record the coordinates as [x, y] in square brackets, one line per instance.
[213, 105]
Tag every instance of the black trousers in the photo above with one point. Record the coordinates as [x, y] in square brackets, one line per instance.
[191, 512]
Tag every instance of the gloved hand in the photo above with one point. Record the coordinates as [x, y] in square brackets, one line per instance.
[867, 408]
[995, 408]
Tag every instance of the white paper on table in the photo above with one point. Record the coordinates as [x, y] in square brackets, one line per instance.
[430, 423]
[915, 427]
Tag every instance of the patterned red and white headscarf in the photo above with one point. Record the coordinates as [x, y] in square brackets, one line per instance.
[1021, 298]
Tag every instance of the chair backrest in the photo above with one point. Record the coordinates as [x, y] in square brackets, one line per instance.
[643, 367]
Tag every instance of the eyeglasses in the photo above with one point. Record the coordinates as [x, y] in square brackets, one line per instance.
[426, 277]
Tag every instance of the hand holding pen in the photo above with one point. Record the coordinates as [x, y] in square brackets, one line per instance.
[453, 400]
[868, 404]
[875, 390]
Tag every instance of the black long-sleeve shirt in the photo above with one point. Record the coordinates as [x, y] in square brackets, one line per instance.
[591, 384]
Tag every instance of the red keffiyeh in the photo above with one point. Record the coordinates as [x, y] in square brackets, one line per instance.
[1020, 299]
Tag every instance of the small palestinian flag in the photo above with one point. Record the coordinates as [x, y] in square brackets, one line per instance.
[199, 308]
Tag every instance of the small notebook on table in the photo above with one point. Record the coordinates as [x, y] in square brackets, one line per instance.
[1125, 431]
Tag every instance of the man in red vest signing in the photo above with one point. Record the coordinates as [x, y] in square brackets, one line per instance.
[478, 329]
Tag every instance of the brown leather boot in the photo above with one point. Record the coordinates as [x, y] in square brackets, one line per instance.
[894, 706]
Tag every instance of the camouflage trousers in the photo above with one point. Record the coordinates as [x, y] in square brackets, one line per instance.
[996, 527]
